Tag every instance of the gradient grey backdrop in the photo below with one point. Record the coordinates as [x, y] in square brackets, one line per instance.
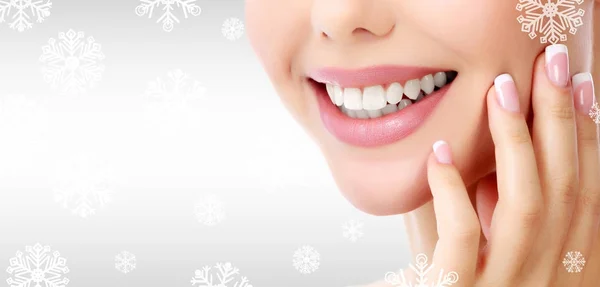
[234, 141]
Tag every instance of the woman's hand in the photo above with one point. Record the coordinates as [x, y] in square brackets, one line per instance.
[547, 184]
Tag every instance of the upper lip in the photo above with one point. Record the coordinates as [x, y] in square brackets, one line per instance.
[370, 76]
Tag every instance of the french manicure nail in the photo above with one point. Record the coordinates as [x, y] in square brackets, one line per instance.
[557, 64]
[583, 92]
[442, 152]
[506, 93]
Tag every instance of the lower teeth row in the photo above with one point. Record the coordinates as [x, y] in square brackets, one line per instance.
[390, 108]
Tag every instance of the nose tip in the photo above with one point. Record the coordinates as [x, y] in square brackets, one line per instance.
[347, 20]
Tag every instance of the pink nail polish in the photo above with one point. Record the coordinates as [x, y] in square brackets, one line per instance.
[506, 93]
[557, 64]
[583, 92]
[442, 152]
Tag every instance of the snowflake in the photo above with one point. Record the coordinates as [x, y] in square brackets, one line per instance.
[353, 230]
[72, 62]
[232, 29]
[39, 266]
[421, 270]
[125, 262]
[209, 210]
[225, 274]
[595, 113]
[306, 259]
[82, 186]
[551, 19]
[574, 262]
[168, 18]
[21, 20]
[175, 87]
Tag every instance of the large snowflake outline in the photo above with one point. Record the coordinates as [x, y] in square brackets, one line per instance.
[306, 259]
[125, 262]
[21, 19]
[421, 269]
[560, 16]
[168, 18]
[352, 230]
[72, 63]
[595, 113]
[574, 262]
[209, 210]
[225, 273]
[39, 265]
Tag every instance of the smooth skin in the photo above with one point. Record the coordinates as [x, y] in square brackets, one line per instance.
[548, 185]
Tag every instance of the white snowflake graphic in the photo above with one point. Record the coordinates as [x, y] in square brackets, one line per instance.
[209, 210]
[23, 11]
[421, 269]
[306, 259]
[38, 267]
[224, 276]
[177, 86]
[574, 262]
[232, 29]
[595, 113]
[551, 19]
[82, 185]
[352, 230]
[168, 18]
[72, 63]
[125, 262]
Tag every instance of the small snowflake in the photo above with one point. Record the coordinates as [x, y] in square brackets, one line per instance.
[81, 185]
[168, 18]
[574, 262]
[177, 86]
[225, 274]
[39, 267]
[209, 210]
[552, 19]
[72, 64]
[353, 230]
[306, 259]
[232, 29]
[21, 19]
[421, 269]
[125, 262]
[595, 113]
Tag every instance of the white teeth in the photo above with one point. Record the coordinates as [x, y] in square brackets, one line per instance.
[375, 114]
[374, 98]
[353, 98]
[362, 114]
[390, 108]
[338, 95]
[394, 93]
[412, 89]
[439, 79]
[404, 103]
[330, 89]
[427, 84]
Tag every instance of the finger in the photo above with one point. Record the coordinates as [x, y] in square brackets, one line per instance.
[458, 226]
[584, 225]
[518, 211]
[422, 230]
[486, 199]
[555, 142]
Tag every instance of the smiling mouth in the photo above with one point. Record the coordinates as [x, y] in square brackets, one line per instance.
[378, 105]
[380, 100]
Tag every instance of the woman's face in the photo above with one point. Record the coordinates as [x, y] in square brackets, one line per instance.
[371, 52]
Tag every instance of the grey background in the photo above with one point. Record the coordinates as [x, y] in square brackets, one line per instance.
[158, 158]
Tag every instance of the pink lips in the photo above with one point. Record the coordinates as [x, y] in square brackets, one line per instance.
[379, 131]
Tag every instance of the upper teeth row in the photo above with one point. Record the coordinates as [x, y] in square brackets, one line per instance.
[377, 97]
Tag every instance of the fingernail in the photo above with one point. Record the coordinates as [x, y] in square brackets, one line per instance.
[506, 93]
[441, 149]
[557, 64]
[583, 92]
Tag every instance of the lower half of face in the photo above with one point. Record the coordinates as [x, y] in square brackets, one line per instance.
[376, 83]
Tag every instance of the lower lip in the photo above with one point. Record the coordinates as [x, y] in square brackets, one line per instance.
[379, 131]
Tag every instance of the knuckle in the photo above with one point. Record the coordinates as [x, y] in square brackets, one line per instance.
[590, 200]
[518, 134]
[565, 187]
[467, 234]
[530, 215]
[588, 139]
[562, 111]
